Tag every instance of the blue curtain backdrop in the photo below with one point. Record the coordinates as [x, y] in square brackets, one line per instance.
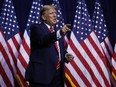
[22, 8]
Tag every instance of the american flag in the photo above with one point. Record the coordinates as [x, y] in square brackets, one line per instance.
[60, 23]
[89, 67]
[24, 51]
[102, 33]
[9, 43]
[6, 73]
[100, 27]
[114, 63]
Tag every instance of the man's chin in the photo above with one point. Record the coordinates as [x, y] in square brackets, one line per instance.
[55, 22]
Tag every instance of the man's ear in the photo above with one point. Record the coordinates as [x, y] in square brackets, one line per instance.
[43, 17]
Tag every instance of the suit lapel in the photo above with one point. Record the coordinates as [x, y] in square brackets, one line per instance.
[45, 28]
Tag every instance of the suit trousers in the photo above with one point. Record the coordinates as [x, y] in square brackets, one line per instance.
[56, 82]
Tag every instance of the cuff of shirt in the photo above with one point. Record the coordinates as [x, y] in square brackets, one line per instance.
[58, 34]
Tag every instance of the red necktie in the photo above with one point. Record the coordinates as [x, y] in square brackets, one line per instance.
[56, 45]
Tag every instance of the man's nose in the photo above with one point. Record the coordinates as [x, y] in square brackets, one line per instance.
[55, 15]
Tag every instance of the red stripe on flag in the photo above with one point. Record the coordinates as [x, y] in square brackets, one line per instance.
[22, 60]
[26, 47]
[72, 78]
[4, 76]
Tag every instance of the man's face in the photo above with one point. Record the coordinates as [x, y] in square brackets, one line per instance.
[50, 17]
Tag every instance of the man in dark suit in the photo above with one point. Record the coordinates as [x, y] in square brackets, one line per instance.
[48, 54]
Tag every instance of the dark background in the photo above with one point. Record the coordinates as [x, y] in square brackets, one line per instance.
[22, 8]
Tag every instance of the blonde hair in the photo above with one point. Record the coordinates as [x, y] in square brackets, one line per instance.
[46, 8]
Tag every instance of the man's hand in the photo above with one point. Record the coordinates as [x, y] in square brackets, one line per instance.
[69, 57]
[65, 28]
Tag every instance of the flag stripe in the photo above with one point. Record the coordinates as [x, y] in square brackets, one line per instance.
[73, 80]
[26, 44]
[108, 47]
[5, 77]
[2, 83]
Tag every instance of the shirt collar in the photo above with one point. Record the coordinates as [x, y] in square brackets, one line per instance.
[47, 25]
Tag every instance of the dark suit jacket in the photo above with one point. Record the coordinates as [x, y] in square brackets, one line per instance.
[44, 56]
